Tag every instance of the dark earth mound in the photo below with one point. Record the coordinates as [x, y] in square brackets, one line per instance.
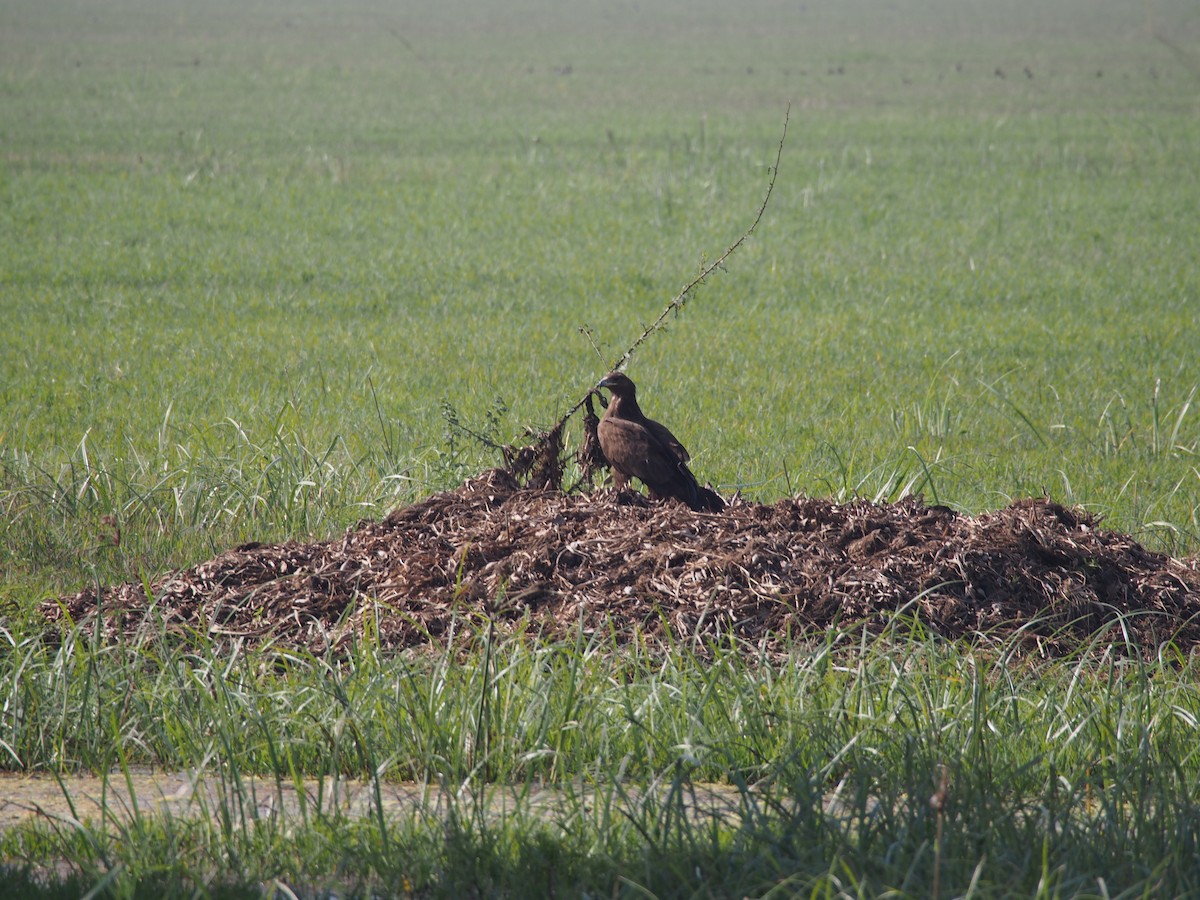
[545, 561]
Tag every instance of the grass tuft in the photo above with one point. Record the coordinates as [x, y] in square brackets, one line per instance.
[579, 765]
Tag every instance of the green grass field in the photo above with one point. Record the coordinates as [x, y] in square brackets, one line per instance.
[250, 252]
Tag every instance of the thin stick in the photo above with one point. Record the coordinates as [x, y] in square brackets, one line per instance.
[541, 462]
[682, 297]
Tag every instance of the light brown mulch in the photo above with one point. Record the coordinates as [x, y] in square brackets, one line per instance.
[621, 565]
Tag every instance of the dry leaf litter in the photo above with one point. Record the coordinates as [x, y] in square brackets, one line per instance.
[542, 561]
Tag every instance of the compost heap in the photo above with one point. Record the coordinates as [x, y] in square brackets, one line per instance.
[491, 553]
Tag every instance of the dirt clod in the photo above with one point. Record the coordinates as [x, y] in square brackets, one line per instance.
[542, 560]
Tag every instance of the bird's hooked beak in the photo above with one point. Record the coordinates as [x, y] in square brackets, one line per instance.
[608, 381]
[599, 396]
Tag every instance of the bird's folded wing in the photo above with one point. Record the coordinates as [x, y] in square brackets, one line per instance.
[668, 440]
[636, 449]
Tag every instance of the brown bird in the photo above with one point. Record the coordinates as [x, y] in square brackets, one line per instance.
[637, 447]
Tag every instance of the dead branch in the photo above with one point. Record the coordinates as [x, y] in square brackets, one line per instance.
[683, 296]
[588, 454]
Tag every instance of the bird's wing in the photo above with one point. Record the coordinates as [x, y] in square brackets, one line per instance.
[638, 450]
[668, 440]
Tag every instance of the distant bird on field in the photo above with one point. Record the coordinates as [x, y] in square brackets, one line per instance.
[637, 447]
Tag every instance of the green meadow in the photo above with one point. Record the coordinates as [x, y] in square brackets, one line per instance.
[256, 258]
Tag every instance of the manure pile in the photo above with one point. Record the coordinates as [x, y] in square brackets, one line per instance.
[545, 561]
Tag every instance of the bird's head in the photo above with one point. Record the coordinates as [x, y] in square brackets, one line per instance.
[619, 383]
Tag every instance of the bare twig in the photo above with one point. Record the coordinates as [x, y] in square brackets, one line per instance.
[586, 331]
[683, 296]
[553, 435]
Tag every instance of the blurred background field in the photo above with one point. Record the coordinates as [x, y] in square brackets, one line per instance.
[252, 252]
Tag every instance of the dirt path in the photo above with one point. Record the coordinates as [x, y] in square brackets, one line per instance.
[120, 798]
[116, 799]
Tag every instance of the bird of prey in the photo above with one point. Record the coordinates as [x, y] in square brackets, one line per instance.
[637, 447]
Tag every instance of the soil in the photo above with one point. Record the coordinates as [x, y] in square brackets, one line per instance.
[1035, 575]
[114, 799]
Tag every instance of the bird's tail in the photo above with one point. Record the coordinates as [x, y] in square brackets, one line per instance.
[700, 499]
[708, 500]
